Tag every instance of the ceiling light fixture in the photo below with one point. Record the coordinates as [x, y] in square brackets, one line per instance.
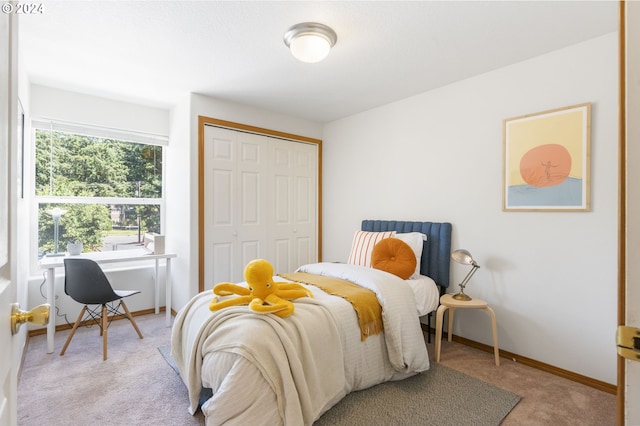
[310, 42]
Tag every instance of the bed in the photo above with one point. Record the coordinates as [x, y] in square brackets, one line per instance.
[242, 368]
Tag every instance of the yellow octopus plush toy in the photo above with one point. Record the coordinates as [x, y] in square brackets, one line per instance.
[264, 295]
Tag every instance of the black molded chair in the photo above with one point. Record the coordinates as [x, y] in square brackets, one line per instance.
[86, 283]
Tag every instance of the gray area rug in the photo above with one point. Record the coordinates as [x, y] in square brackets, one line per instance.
[440, 396]
[166, 354]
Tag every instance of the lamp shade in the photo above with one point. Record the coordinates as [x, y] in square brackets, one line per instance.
[310, 42]
[463, 256]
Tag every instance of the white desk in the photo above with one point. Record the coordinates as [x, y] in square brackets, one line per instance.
[53, 262]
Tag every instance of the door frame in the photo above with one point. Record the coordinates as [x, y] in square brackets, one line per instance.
[622, 202]
[9, 274]
[629, 203]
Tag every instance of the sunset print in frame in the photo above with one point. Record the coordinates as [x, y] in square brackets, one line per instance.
[546, 160]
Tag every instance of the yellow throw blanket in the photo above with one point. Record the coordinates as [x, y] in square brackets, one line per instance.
[364, 301]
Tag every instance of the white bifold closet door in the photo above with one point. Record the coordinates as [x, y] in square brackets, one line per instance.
[293, 200]
[260, 201]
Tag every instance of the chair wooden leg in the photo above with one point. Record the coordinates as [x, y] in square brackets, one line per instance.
[104, 327]
[105, 331]
[73, 330]
[133, 322]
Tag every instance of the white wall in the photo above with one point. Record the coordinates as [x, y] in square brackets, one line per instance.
[551, 277]
[74, 107]
[181, 220]
[182, 177]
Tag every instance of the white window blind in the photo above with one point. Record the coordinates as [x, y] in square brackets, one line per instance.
[97, 131]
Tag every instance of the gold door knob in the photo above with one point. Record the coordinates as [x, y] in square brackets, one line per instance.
[38, 316]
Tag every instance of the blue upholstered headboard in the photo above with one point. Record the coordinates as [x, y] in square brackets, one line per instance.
[436, 252]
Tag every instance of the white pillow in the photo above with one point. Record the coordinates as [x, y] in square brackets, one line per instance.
[415, 240]
[362, 246]
[426, 294]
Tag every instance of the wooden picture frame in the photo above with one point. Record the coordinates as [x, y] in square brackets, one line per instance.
[547, 160]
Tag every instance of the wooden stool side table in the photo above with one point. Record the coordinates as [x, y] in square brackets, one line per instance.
[448, 302]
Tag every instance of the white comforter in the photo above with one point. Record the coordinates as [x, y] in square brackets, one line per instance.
[263, 369]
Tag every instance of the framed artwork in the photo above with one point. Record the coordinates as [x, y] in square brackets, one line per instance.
[547, 160]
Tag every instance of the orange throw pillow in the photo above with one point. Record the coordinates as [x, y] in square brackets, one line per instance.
[394, 256]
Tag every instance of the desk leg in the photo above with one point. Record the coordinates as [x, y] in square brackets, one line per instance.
[438, 336]
[167, 285]
[51, 300]
[496, 350]
[156, 284]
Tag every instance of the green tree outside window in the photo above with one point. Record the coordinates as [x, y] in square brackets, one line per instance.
[79, 166]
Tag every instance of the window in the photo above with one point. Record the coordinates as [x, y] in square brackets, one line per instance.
[101, 187]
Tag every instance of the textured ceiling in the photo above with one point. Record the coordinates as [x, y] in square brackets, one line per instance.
[156, 52]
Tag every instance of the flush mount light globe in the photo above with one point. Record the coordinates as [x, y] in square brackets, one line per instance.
[309, 41]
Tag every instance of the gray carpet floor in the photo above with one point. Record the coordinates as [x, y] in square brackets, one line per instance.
[135, 386]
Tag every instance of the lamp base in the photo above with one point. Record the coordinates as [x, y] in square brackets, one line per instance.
[461, 296]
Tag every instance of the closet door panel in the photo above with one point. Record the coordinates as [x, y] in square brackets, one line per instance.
[220, 207]
[305, 246]
[294, 217]
[305, 226]
[252, 169]
[281, 210]
[250, 208]
[282, 251]
[305, 172]
[282, 256]
[223, 256]
[282, 197]
[304, 195]
[249, 250]
[222, 193]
